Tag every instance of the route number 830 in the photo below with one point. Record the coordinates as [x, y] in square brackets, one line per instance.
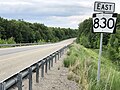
[104, 22]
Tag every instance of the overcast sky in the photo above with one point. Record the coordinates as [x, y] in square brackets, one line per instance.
[57, 13]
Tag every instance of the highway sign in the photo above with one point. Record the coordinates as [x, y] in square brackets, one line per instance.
[104, 6]
[104, 22]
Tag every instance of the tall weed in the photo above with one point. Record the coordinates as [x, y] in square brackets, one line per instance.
[82, 62]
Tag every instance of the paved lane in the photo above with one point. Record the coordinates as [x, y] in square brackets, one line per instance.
[6, 51]
[13, 60]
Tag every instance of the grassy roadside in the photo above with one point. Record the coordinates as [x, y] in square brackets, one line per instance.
[82, 63]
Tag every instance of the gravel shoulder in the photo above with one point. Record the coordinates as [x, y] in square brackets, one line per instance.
[56, 79]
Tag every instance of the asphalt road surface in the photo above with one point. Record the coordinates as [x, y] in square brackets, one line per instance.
[13, 60]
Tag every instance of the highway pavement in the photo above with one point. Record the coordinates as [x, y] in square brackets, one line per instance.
[15, 59]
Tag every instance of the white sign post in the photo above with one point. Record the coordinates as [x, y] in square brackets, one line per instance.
[104, 23]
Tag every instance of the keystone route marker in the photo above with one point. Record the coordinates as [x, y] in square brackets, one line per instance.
[104, 22]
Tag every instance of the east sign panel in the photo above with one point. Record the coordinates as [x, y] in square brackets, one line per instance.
[104, 22]
[104, 6]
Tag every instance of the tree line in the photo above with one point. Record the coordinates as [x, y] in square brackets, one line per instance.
[111, 42]
[20, 31]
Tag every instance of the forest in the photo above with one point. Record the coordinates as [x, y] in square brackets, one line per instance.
[111, 42]
[20, 31]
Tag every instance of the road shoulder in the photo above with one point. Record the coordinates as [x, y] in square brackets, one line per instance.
[56, 79]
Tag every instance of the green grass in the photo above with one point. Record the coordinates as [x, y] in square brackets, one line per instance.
[82, 63]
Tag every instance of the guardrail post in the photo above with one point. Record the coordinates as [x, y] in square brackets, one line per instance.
[55, 57]
[63, 51]
[37, 73]
[46, 64]
[19, 84]
[30, 78]
[42, 69]
[49, 61]
[58, 55]
[2, 86]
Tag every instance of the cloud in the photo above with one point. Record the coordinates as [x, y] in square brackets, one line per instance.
[64, 13]
[43, 8]
[57, 21]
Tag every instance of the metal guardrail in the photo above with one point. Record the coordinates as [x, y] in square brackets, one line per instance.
[21, 44]
[45, 64]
